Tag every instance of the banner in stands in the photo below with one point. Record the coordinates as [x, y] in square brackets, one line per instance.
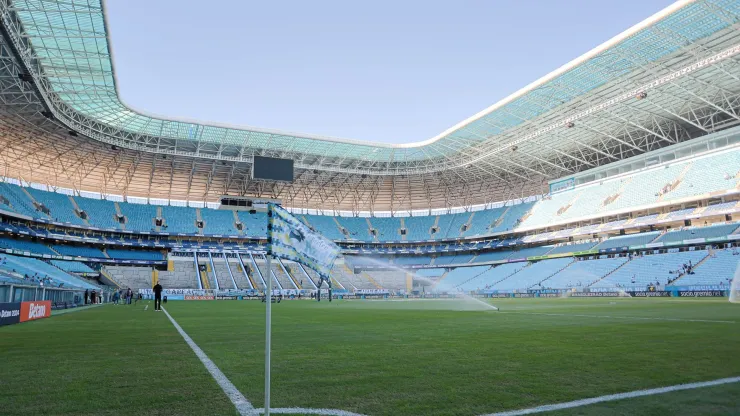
[10, 313]
[30, 311]
[371, 291]
[594, 294]
[701, 293]
[227, 297]
[195, 297]
[657, 294]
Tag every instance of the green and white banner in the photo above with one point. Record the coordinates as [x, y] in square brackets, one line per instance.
[290, 239]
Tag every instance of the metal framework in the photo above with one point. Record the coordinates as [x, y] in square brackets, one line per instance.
[671, 78]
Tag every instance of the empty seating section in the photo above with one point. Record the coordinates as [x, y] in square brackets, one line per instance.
[571, 248]
[255, 224]
[482, 221]
[19, 200]
[511, 217]
[356, 227]
[530, 252]
[139, 217]
[239, 276]
[72, 266]
[78, 251]
[718, 268]
[444, 224]
[59, 205]
[388, 228]
[392, 280]
[282, 277]
[492, 256]
[413, 260]
[627, 240]
[665, 183]
[419, 228]
[179, 219]
[100, 213]
[583, 273]
[183, 276]
[134, 277]
[25, 245]
[720, 207]
[649, 269]
[698, 232]
[430, 273]
[708, 174]
[327, 226]
[533, 274]
[30, 266]
[124, 254]
[455, 224]
[222, 274]
[458, 276]
[491, 276]
[218, 222]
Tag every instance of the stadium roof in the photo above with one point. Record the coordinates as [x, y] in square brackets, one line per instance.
[585, 114]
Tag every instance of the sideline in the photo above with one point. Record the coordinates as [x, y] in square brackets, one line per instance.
[243, 406]
[645, 318]
[77, 309]
[612, 397]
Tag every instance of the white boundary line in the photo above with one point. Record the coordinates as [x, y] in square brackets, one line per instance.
[612, 397]
[621, 317]
[304, 411]
[243, 406]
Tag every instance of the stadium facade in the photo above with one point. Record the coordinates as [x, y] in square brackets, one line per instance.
[631, 148]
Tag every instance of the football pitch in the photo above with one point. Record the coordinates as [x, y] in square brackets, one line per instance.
[378, 357]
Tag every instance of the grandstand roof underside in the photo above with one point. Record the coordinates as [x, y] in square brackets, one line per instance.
[585, 114]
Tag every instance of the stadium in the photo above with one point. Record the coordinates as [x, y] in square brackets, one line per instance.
[572, 249]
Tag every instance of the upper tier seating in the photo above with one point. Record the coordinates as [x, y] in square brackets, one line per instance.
[689, 233]
[180, 219]
[218, 222]
[139, 217]
[326, 225]
[627, 240]
[20, 201]
[78, 251]
[356, 227]
[134, 254]
[571, 248]
[255, 224]
[388, 228]
[100, 213]
[59, 206]
[419, 228]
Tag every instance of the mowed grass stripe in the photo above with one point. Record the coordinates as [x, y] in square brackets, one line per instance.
[106, 360]
[388, 358]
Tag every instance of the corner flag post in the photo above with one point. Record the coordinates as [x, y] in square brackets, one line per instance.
[268, 312]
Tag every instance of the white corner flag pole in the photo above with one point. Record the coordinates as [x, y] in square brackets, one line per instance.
[268, 332]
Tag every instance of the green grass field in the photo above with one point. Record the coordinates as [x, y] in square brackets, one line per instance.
[377, 357]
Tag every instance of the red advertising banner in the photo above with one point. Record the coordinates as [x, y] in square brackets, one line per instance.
[35, 310]
[192, 297]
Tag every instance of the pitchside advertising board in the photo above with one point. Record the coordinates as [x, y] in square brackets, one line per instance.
[13, 313]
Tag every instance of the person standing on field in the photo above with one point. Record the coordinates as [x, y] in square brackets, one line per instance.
[157, 297]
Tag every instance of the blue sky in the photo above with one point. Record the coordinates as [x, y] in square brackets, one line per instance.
[388, 71]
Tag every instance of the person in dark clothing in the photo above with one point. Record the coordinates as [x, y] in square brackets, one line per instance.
[157, 297]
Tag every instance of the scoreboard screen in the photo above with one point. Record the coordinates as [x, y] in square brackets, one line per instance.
[272, 169]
